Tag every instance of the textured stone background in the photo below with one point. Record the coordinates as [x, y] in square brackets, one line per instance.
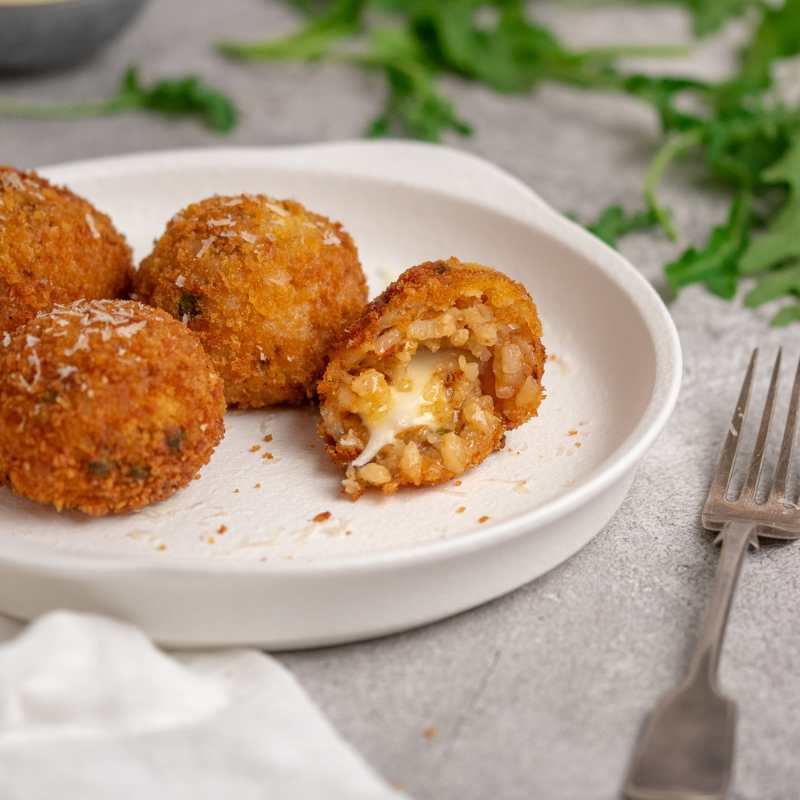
[539, 694]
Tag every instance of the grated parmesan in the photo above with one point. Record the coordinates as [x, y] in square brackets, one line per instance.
[92, 226]
[35, 362]
[12, 181]
[33, 188]
[224, 222]
[279, 210]
[180, 281]
[28, 387]
[204, 247]
[130, 330]
[81, 344]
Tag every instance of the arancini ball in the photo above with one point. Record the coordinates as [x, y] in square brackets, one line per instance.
[55, 247]
[265, 284]
[427, 381]
[105, 406]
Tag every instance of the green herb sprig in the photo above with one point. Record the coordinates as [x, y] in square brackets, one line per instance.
[187, 96]
[709, 16]
[738, 135]
[748, 142]
[414, 42]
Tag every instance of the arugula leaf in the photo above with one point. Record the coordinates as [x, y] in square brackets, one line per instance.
[741, 139]
[715, 264]
[187, 96]
[781, 240]
[671, 149]
[413, 104]
[750, 144]
[773, 286]
[509, 57]
[708, 16]
[342, 18]
[179, 97]
[777, 36]
[662, 93]
[787, 315]
[744, 141]
[614, 222]
[723, 284]
[711, 15]
[510, 54]
[777, 244]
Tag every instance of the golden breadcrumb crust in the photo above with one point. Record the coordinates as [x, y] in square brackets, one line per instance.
[55, 247]
[105, 406]
[435, 291]
[264, 283]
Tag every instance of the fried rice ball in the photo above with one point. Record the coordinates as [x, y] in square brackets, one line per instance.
[426, 382]
[264, 283]
[105, 406]
[55, 247]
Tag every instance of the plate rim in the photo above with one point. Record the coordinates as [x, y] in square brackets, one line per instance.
[643, 297]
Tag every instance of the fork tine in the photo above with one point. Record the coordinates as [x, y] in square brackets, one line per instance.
[722, 475]
[757, 462]
[785, 457]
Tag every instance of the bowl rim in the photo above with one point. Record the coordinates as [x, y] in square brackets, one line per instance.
[644, 299]
[19, 4]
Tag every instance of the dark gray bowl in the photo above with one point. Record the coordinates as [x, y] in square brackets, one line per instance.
[44, 34]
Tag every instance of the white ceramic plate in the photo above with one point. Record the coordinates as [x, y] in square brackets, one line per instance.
[278, 579]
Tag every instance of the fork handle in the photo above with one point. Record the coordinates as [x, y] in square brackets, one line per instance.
[735, 537]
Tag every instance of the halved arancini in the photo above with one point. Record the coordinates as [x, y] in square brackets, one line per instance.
[426, 382]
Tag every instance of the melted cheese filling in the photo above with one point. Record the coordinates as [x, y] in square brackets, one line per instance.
[409, 406]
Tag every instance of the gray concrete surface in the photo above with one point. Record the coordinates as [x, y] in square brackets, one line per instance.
[539, 694]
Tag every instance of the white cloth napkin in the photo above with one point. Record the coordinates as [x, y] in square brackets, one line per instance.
[91, 709]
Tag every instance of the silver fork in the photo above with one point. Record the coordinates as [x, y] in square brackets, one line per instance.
[685, 750]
